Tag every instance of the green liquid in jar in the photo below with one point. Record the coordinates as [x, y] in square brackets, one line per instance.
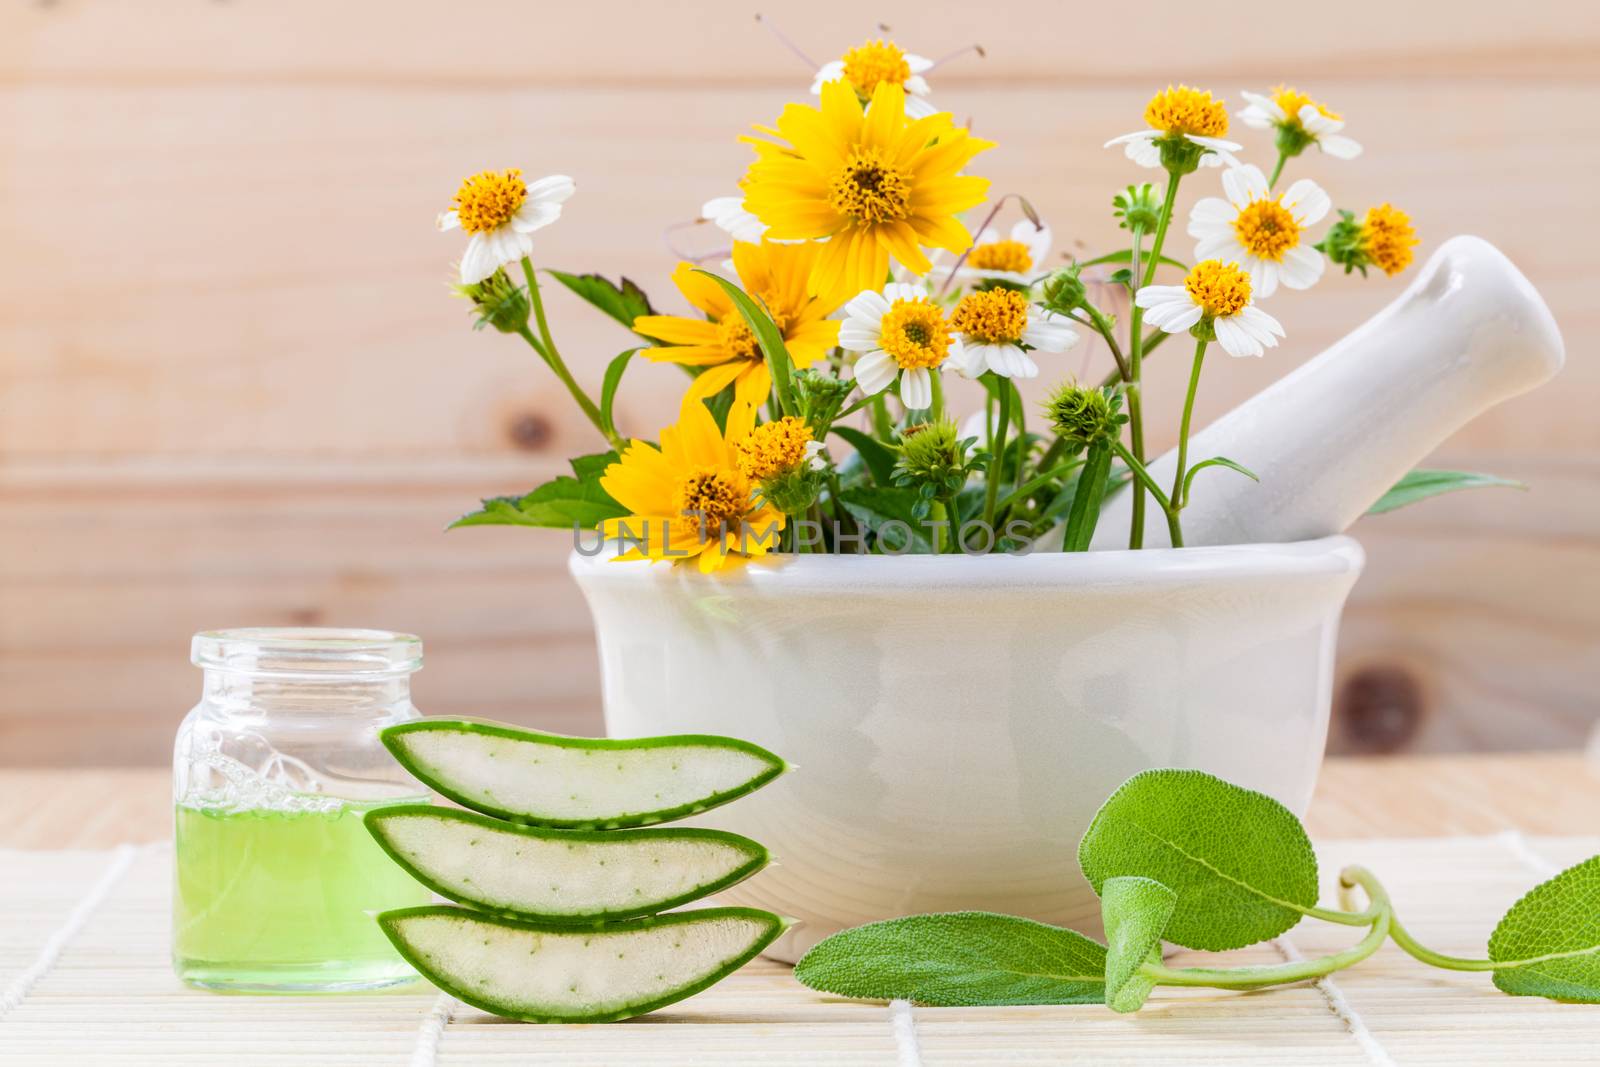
[282, 901]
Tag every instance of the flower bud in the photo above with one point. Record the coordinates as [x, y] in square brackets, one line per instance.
[1083, 415]
[1138, 206]
[496, 301]
[1063, 291]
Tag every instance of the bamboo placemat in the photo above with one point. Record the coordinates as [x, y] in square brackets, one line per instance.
[84, 979]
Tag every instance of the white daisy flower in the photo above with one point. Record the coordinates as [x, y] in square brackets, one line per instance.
[1185, 113]
[1301, 119]
[1018, 259]
[865, 66]
[814, 457]
[998, 327]
[501, 211]
[1217, 294]
[1263, 233]
[901, 334]
[730, 216]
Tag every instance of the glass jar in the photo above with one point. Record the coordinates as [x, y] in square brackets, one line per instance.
[275, 876]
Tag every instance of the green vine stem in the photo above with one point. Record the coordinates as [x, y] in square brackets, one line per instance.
[1277, 170]
[552, 357]
[1381, 910]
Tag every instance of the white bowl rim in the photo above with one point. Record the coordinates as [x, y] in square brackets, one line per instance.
[1321, 559]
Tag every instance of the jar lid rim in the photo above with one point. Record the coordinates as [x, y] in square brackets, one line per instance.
[311, 650]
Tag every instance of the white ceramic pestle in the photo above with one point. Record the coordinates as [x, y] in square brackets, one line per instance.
[1329, 439]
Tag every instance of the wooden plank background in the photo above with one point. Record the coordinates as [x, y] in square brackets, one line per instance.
[233, 390]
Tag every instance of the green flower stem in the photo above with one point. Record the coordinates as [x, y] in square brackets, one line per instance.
[1102, 326]
[1175, 500]
[1283, 157]
[1141, 474]
[1301, 971]
[936, 410]
[880, 419]
[991, 479]
[1152, 341]
[1135, 400]
[552, 357]
[1162, 222]
[1019, 415]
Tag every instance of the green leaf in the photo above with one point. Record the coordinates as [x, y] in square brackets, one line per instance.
[1550, 939]
[958, 959]
[1215, 461]
[1136, 912]
[559, 503]
[1239, 861]
[876, 507]
[1086, 498]
[878, 457]
[608, 389]
[1420, 484]
[1126, 256]
[768, 336]
[624, 302]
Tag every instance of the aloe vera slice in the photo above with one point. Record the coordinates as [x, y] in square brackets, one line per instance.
[550, 973]
[578, 782]
[560, 875]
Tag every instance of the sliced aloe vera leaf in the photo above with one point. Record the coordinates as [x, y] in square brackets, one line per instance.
[578, 782]
[560, 875]
[553, 973]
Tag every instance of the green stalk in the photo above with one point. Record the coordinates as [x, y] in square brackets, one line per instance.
[1277, 170]
[1133, 377]
[991, 490]
[1254, 977]
[936, 409]
[1175, 501]
[1141, 473]
[1033, 485]
[552, 357]
[880, 419]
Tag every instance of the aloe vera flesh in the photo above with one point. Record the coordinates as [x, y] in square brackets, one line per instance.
[578, 782]
[560, 875]
[542, 972]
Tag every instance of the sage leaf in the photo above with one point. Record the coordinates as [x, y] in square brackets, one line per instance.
[1420, 484]
[1239, 861]
[958, 959]
[1550, 939]
[1136, 912]
[623, 302]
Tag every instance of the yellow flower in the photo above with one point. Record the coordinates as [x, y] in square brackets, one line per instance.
[689, 499]
[867, 66]
[500, 211]
[775, 274]
[1388, 238]
[775, 448]
[1179, 113]
[1300, 121]
[875, 184]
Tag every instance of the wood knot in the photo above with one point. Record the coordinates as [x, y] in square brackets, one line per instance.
[1379, 709]
[529, 431]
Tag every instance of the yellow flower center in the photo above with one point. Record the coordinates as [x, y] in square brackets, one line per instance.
[915, 334]
[736, 338]
[1001, 255]
[1292, 100]
[773, 448]
[1221, 289]
[1389, 238]
[876, 61]
[488, 199]
[870, 188]
[1186, 110]
[713, 498]
[1267, 229]
[992, 316]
